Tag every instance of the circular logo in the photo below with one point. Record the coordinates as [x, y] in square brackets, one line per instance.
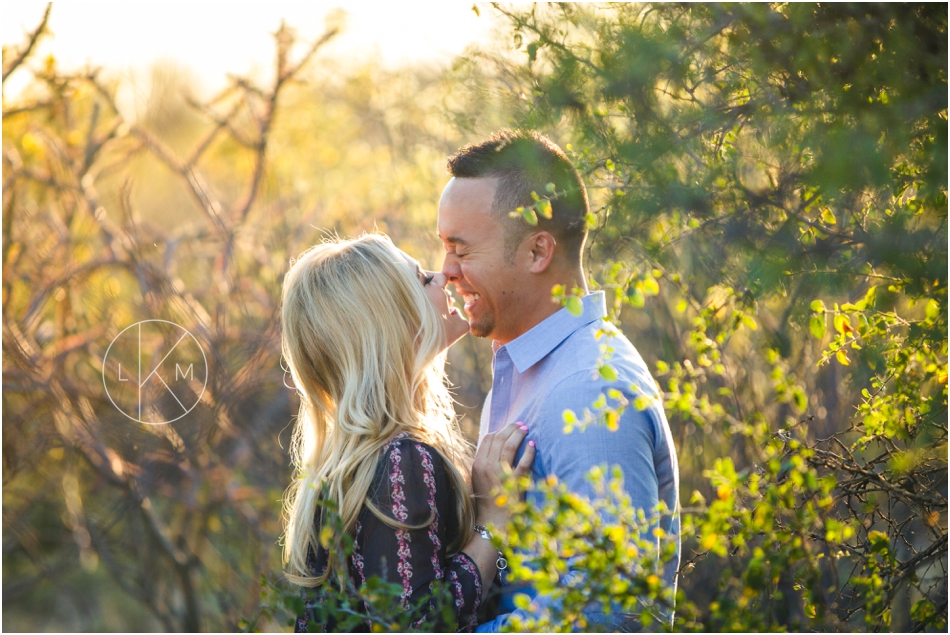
[155, 372]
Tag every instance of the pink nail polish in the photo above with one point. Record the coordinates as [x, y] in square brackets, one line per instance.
[531, 443]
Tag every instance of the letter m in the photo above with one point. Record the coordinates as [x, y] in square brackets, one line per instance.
[190, 371]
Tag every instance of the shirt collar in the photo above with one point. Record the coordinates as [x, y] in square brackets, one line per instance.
[529, 348]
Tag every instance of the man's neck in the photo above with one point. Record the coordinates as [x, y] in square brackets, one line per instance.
[577, 281]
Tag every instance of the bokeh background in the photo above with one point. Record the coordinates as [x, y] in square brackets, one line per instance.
[768, 186]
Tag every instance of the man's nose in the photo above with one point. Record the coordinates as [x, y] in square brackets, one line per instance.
[451, 269]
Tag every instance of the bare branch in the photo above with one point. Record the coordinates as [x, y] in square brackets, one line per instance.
[25, 53]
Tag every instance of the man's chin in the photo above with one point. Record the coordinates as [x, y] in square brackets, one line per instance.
[480, 328]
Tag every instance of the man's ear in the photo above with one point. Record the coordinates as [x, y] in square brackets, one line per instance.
[542, 246]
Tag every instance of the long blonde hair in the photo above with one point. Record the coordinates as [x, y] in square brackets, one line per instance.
[363, 344]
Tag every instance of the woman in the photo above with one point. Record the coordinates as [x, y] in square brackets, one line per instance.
[364, 333]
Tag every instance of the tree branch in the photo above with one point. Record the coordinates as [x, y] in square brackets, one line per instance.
[25, 53]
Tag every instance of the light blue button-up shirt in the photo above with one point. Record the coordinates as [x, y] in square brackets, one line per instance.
[554, 367]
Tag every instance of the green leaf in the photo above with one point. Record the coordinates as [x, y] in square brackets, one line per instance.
[529, 216]
[817, 305]
[800, 401]
[544, 208]
[533, 51]
[636, 297]
[817, 326]
[650, 286]
[522, 601]
[922, 610]
[828, 217]
[879, 541]
[574, 305]
[750, 322]
[608, 373]
[549, 188]
[842, 358]
[933, 310]
[842, 323]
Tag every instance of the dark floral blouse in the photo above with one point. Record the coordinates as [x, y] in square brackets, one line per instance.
[411, 485]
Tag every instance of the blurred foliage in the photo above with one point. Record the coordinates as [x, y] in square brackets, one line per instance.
[769, 194]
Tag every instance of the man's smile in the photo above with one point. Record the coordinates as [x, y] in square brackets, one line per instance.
[470, 300]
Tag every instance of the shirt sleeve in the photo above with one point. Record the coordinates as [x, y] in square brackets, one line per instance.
[412, 487]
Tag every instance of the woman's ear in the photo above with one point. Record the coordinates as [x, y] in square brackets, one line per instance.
[542, 246]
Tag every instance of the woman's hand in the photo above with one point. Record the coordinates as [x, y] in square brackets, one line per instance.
[493, 465]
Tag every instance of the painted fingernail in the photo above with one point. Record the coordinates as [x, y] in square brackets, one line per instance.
[531, 443]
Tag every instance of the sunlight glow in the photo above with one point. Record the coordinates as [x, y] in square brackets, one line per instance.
[213, 39]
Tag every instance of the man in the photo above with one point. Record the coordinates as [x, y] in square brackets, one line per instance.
[546, 359]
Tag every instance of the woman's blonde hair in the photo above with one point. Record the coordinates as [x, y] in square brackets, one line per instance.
[364, 346]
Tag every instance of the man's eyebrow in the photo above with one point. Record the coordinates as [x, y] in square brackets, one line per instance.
[455, 240]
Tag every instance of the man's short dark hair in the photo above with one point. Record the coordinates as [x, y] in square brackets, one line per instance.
[525, 162]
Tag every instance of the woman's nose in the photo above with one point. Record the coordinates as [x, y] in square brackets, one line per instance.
[439, 279]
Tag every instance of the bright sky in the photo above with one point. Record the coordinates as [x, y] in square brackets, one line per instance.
[216, 38]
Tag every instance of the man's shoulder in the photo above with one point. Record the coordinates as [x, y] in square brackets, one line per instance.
[595, 345]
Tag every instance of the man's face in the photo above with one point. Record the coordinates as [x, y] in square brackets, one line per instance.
[474, 244]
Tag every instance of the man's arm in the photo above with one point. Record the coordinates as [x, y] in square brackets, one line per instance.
[570, 456]
[633, 447]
